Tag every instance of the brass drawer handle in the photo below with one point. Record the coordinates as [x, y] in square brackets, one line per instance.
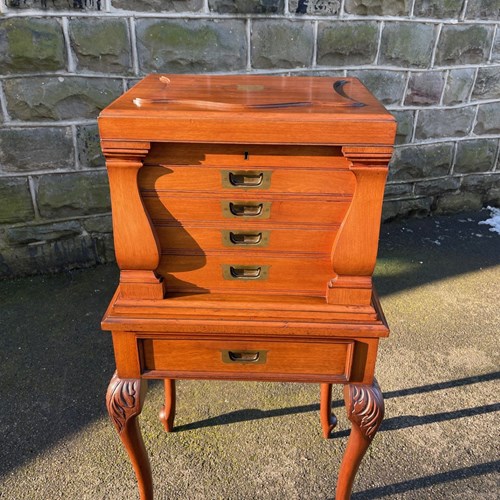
[245, 272]
[242, 272]
[245, 238]
[254, 357]
[246, 179]
[246, 210]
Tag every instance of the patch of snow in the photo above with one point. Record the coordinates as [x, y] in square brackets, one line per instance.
[494, 220]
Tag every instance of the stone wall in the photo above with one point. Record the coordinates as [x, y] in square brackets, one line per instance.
[434, 64]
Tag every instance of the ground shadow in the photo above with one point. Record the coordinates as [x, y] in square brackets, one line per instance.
[388, 424]
[414, 252]
[427, 481]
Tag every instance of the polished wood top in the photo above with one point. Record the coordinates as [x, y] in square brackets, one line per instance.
[289, 109]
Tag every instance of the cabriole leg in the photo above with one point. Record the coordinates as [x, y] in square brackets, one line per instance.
[124, 401]
[167, 413]
[365, 409]
[327, 418]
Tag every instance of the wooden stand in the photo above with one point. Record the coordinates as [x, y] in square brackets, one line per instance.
[246, 214]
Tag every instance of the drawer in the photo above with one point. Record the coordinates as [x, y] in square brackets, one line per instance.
[287, 210]
[193, 239]
[237, 359]
[243, 273]
[245, 155]
[243, 178]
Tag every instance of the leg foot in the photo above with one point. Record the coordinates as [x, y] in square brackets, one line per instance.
[124, 401]
[365, 409]
[327, 418]
[167, 412]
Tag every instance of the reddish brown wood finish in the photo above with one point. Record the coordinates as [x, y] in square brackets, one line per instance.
[124, 401]
[167, 413]
[246, 214]
[327, 418]
[365, 409]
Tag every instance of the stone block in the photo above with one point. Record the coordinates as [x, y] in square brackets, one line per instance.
[459, 202]
[51, 257]
[386, 86]
[247, 6]
[314, 7]
[492, 197]
[437, 186]
[59, 98]
[487, 84]
[481, 183]
[36, 148]
[417, 162]
[25, 235]
[463, 44]
[347, 43]
[414, 207]
[405, 121]
[447, 9]
[425, 88]
[67, 195]
[488, 119]
[30, 44]
[78, 5]
[101, 45]
[453, 122]
[15, 200]
[89, 147]
[477, 155]
[407, 44]
[98, 225]
[378, 7]
[158, 5]
[191, 46]
[281, 43]
[495, 53]
[397, 190]
[458, 86]
[483, 9]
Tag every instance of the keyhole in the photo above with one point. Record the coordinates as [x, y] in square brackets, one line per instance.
[246, 155]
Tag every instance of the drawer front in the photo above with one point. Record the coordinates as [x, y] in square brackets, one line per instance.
[245, 155]
[281, 210]
[239, 237]
[235, 358]
[245, 179]
[243, 273]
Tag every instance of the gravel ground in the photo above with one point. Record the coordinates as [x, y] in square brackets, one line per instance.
[439, 281]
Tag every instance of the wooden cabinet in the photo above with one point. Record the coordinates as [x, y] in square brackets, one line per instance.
[246, 214]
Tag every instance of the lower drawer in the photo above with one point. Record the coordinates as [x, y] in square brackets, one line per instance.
[257, 360]
[243, 273]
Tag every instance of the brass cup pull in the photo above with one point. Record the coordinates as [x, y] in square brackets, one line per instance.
[246, 179]
[245, 239]
[246, 210]
[245, 272]
[249, 179]
[254, 357]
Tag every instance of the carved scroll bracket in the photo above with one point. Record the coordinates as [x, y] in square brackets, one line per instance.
[355, 247]
[137, 247]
